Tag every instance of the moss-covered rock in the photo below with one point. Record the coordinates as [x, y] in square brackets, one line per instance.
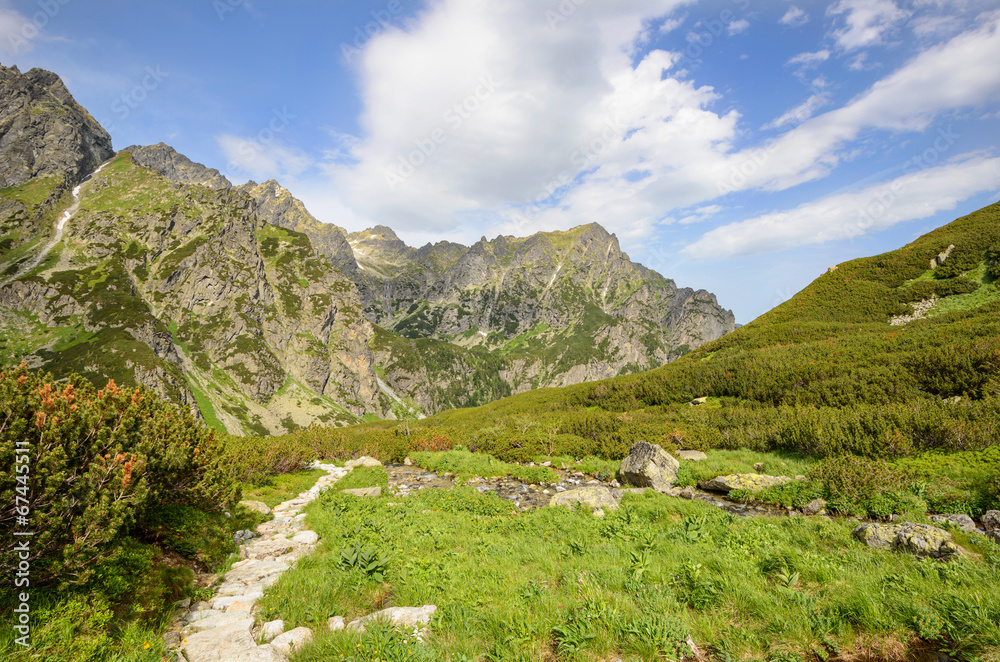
[918, 539]
[593, 496]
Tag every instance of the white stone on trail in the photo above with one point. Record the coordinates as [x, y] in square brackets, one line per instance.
[293, 640]
[306, 538]
[216, 620]
[272, 629]
[255, 570]
[336, 623]
[202, 614]
[223, 603]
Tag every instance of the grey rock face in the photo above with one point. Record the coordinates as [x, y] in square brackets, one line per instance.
[44, 132]
[275, 205]
[176, 167]
[815, 507]
[552, 286]
[240, 296]
[648, 465]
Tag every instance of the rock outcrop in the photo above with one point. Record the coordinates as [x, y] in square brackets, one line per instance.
[559, 294]
[275, 205]
[176, 167]
[960, 520]
[991, 520]
[44, 132]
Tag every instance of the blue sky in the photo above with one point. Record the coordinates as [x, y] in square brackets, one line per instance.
[741, 146]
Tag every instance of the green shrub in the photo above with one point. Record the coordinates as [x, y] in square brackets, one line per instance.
[98, 461]
[864, 486]
[253, 460]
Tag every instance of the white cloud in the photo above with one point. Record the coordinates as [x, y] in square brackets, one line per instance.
[801, 112]
[935, 27]
[671, 24]
[857, 63]
[806, 60]
[562, 124]
[912, 196]
[794, 17]
[738, 26]
[258, 159]
[868, 21]
[16, 30]
[700, 214]
[531, 103]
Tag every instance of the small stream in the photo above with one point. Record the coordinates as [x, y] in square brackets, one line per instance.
[60, 226]
[404, 480]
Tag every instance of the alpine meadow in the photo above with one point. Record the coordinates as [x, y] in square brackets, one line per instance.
[327, 417]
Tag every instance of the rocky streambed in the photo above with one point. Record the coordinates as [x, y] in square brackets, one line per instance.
[407, 479]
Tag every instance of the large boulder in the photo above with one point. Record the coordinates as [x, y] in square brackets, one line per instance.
[919, 539]
[648, 465]
[815, 507]
[963, 522]
[751, 482]
[592, 496]
[363, 461]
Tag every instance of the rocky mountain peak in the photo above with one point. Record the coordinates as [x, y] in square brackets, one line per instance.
[277, 206]
[44, 132]
[176, 167]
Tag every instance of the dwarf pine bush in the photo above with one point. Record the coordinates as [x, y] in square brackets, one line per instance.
[99, 460]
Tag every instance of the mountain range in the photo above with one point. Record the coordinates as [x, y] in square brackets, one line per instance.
[147, 268]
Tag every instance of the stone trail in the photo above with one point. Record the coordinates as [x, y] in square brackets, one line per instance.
[222, 629]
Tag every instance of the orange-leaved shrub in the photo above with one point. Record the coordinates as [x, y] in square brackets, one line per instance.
[98, 460]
